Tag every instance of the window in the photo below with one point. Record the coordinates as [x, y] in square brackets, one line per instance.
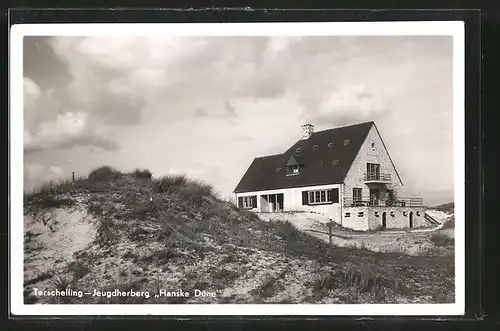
[292, 170]
[346, 141]
[331, 144]
[356, 196]
[320, 196]
[376, 214]
[335, 161]
[247, 202]
[298, 150]
[373, 145]
[405, 213]
[347, 214]
[321, 163]
[278, 169]
[372, 171]
[361, 214]
[315, 147]
[418, 213]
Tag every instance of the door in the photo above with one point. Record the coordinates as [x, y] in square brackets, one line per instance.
[374, 196]
[411, 219]
[272, 202]
[279, 202]
[356, 196]
[384, 220]
[372, 171]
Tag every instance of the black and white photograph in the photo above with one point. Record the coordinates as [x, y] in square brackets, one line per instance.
[261, 168]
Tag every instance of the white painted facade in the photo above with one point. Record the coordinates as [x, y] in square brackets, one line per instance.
[292, 200]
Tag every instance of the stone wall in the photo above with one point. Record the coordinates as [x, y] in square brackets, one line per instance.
[372, 218]
[372, 151]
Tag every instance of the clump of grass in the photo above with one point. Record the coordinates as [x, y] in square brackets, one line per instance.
[142, 173]
[190, 191]
[167, 184]
[287, 231]
[450, 224]
[79, 269]
[441, 240]
[267, 288]
[104, 174]
[367, 280]
[324, 283]
[61, 282]
[105, 234]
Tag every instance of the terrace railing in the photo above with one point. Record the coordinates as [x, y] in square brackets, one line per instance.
[399, 202]
[377, 177]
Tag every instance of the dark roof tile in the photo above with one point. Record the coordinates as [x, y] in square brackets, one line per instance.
[262, 174]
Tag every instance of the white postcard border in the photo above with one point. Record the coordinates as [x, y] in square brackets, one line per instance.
[451, 28]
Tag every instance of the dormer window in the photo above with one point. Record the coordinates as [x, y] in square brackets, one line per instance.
[331, 144]
[292, 166]
[315, 147]
[335, 161]
[346, 141]
[278, 169]
[292, 170]
[298, 150]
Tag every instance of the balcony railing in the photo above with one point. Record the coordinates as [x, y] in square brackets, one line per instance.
[399, 202]
[377, 177]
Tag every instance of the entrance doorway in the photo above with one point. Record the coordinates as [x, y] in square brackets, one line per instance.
[411, 219]
[384, 220]
[273, 202]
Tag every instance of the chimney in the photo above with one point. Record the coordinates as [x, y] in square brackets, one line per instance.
[307, 131]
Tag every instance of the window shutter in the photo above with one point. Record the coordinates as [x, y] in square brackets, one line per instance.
[305, 198]
[335, 195]
[240, 202]
[254, 201]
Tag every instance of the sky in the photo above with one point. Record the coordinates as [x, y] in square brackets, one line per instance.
[207, 106]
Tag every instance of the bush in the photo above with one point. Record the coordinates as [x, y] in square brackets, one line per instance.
[287, 231]
[142, 173]
[441, 240]
[103, 174]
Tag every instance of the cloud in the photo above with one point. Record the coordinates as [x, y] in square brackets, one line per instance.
[351, 104]
[36, 174]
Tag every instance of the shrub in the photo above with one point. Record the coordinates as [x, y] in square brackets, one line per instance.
[142, 173]
[103, 174]
[440, 239]
[287, 231]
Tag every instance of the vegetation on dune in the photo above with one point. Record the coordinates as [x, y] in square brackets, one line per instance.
[447, 207]
[173, 225]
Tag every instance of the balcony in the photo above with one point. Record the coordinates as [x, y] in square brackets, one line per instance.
[377, 178]
[399, 202]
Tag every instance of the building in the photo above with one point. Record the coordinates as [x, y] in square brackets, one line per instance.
[345, 173]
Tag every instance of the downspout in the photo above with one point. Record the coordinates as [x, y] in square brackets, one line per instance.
[342, 204]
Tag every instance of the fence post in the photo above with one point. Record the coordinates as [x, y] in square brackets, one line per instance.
[330, 226]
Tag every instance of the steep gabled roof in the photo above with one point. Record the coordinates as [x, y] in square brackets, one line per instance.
[325, 158]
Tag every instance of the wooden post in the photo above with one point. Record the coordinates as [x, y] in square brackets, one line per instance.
[330, 226]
